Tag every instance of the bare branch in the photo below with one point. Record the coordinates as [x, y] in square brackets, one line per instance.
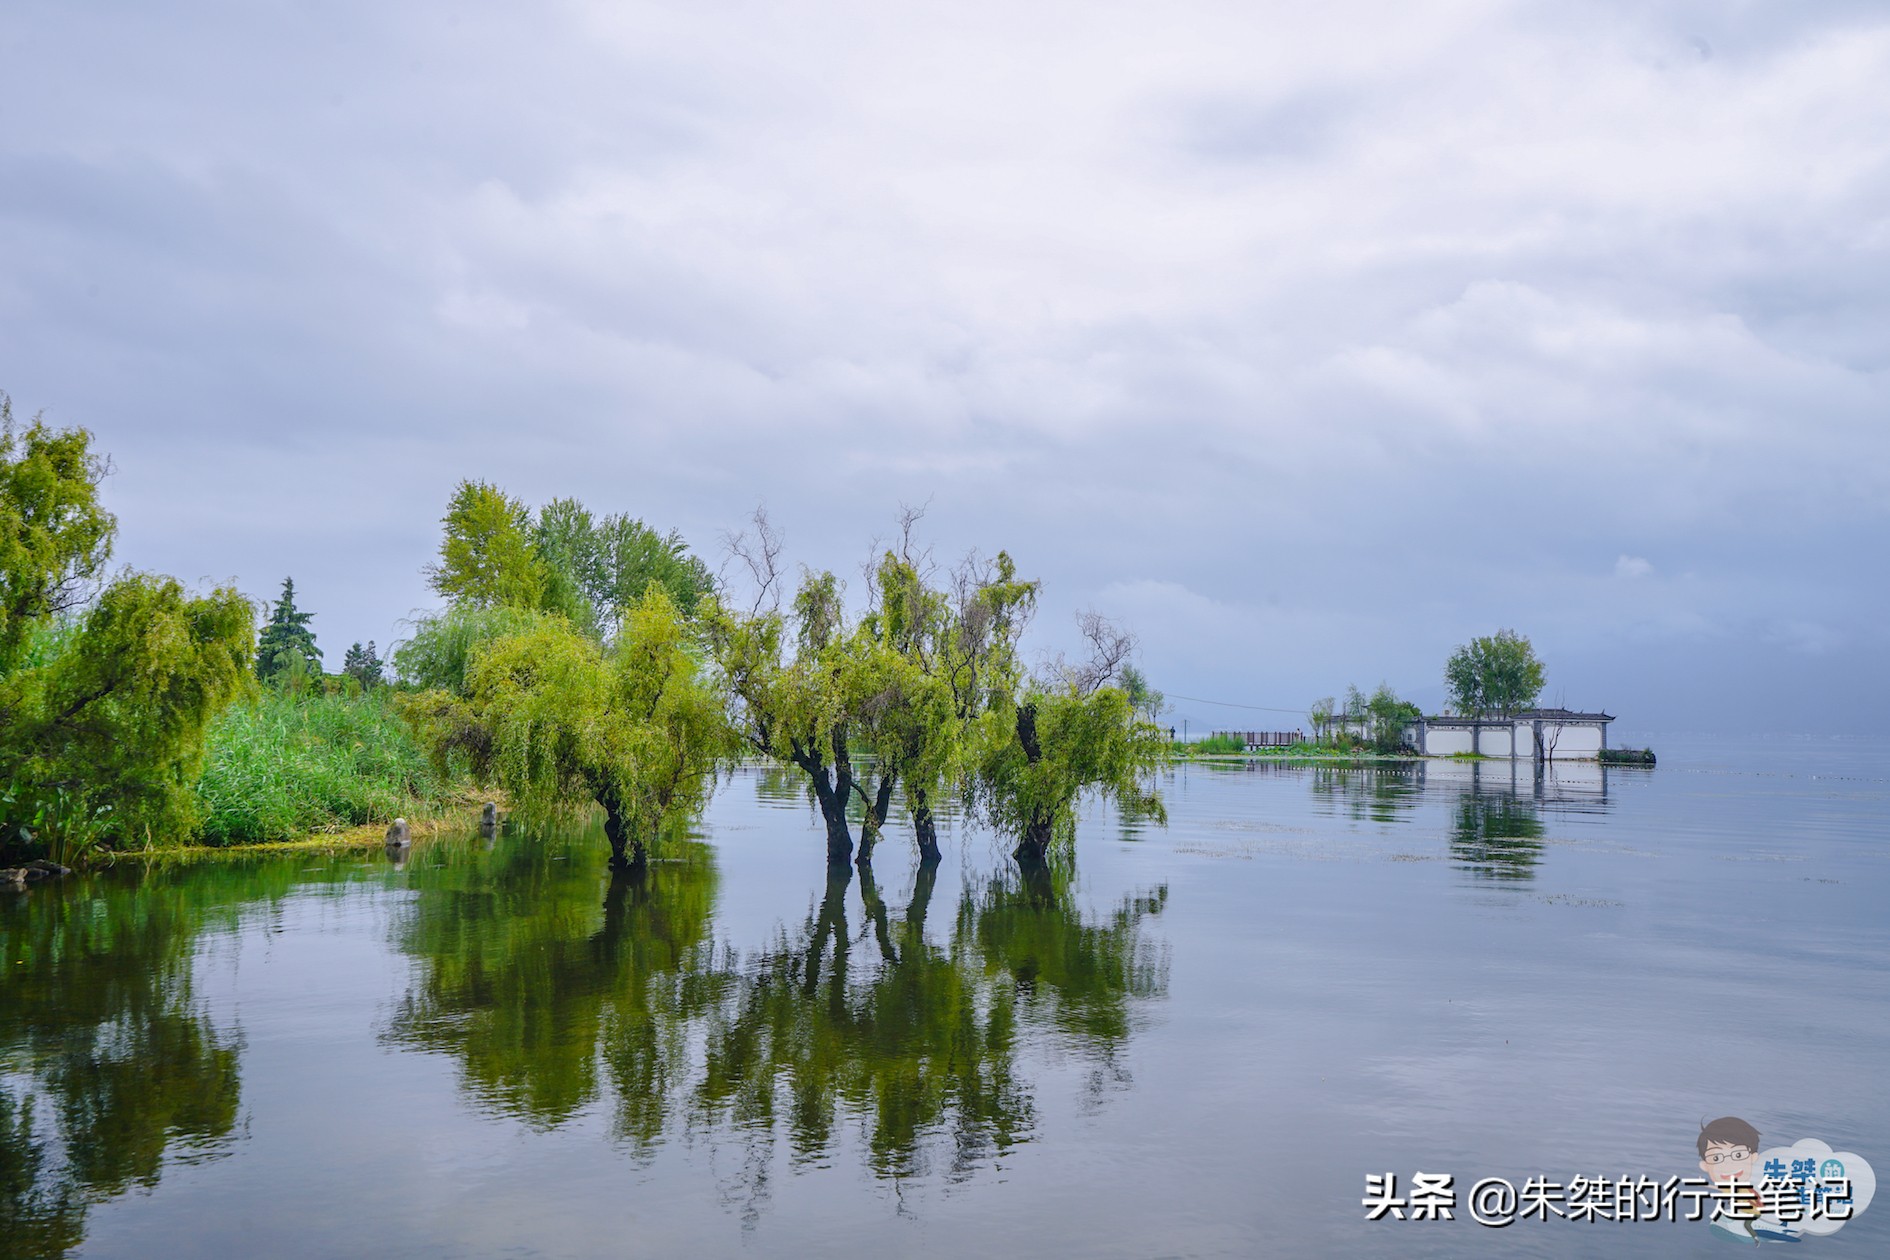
[1110, 648]
[758, 550]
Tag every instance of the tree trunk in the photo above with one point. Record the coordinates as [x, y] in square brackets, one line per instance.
[924, 828]
[626, 850]
[875, 820]
[1034, 848]
[1035, 845]
[831, 794]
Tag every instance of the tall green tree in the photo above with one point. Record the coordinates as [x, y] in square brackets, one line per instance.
[1497, 673]
[596, 568]
[55, 538]
[1147, 702]
[285, 637]
[103, 701]
[486, 557]
[590, 570]
[1321, 714]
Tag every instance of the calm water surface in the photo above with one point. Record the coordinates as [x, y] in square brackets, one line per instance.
[1196, 1042]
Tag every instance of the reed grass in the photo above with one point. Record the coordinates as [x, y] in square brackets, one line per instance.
[278, 768]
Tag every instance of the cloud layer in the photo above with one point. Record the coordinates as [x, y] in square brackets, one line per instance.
[1310, 342]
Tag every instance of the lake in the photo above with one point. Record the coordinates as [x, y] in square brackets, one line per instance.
[1196, 1040]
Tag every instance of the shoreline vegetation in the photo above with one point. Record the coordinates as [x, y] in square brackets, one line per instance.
[366, 836]
[580, 663]
[282, 767]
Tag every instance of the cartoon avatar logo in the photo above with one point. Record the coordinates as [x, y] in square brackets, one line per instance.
[1729, 1147]
[1782, 1194]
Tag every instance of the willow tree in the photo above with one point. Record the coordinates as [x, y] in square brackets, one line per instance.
[561, 721]
[104, 697]
[793, 687]
[1071, 734]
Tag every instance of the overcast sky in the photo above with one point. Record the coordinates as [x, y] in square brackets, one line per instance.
[1307, 340]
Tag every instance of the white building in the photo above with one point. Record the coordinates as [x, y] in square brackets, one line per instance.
[1528, 735]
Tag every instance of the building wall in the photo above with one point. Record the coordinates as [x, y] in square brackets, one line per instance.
[1574, 741]
[1443, 741]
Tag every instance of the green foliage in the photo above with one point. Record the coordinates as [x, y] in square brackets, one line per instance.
[597, 569]
[277, 767]
[588, 570]
[1321, 714]
[54, 537]
[793, 700]
[1145, 700]
[363, 664]
[486, 557]
[287, 644]
[110, 728]
[561, 721]
[441, 650]
[102, 712]
[1627, 757]
[1386, 718]
[1057, 746]
[928, 682]
[1218, 743]
[1495, 674]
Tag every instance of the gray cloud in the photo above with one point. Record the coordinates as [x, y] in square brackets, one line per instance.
[1311, 342]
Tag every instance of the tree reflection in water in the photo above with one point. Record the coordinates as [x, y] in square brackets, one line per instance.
[108, 1062]
[551, 1001]
[1495, 836]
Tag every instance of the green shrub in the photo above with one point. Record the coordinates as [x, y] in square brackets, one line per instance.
[278, 767]
[1216, 743]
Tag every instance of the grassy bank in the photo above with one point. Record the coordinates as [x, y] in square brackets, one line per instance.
[280, 768]
[365, 838]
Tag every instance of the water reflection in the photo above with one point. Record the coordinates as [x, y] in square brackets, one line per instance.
[1495, 812]
[553, 989]
[535, 983]
[109, 1065]
[1380, 793]
[1496, 836]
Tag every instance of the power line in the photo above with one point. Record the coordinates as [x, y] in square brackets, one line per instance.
[1229, 704]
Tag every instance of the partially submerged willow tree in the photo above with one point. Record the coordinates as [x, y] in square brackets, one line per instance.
[926, 688]
[549, 679]
[104, 693]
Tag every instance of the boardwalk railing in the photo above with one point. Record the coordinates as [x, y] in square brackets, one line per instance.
[1267, 739]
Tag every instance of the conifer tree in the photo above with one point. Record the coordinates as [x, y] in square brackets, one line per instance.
[286, 631]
